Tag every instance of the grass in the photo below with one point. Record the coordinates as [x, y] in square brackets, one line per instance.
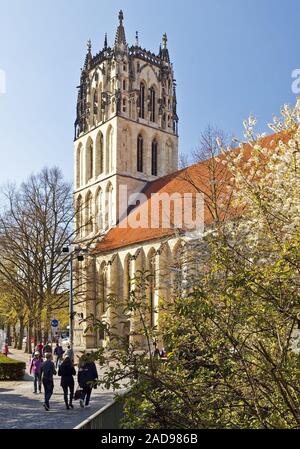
[8, 360]
[11, 369]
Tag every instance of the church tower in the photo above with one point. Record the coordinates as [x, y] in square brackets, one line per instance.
[126, 129]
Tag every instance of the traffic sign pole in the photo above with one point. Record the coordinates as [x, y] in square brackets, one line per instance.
[54, 323]
[71, 306]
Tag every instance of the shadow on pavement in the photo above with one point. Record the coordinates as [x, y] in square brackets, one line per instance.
[27, 377]
[20, 412]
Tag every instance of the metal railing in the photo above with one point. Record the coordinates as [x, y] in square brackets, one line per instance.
[108, 417]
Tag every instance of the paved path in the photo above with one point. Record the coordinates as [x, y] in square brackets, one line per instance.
[20, 408]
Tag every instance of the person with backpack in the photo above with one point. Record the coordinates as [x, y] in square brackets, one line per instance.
[58, 352]
[67, 371]
[87, 373]
[35, 369]
[47, 372]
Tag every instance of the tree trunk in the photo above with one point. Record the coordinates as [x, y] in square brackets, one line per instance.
[40, 327]
[45, 336]
[21, 334]
[8, 334]
[35, 336]
[29, 337]
[47, 324]
[15, 337]
[39, 332]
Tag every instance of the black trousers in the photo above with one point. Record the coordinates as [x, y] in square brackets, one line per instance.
[48, 388]
[66, 388]
[86, 394]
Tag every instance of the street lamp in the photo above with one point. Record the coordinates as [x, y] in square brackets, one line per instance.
[73, 251]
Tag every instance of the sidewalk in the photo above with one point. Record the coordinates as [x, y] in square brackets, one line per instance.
[20, 408]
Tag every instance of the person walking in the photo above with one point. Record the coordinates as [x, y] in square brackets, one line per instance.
[47, 372]
[58, 352]
[70, 353]
[47, 349]
[163, 353]
[67, 371]
[35, 369]
[156, 352]
[40, 347]
[5, 349]
[87, 373]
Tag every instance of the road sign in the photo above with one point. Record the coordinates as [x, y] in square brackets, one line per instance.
[54, 323]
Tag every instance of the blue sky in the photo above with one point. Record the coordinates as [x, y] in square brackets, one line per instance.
[231, 57]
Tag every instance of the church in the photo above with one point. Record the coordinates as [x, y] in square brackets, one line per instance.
[126, 140]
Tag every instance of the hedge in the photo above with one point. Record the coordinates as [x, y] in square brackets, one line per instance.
[11, 369]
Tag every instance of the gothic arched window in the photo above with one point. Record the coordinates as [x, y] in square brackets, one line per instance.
[102, 296]
[142, 100]
[100, 102]
[99, 154]
[89, 213]
[79, 165]
[109, 150]
[152, 104]
[79, 216]
[140, 144]
[169, 159]
[89, 160]
[109, 207]
[152, 284]
[154, 158]
[98, 210]
[95, 103]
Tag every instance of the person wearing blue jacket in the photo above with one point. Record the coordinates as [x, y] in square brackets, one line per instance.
[47, 373]
[58, 352]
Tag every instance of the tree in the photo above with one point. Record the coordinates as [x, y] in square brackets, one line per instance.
[35, 225]
[13, 312]
[211, 141]
[214, 184]
[229, 333]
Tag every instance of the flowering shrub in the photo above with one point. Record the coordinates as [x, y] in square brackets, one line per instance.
[228, 333]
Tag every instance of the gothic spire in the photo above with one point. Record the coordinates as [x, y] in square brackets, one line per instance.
[164, 51]
[120, 35]
[89, 56]
[136, 38]
[89, 45]
[105, 41]
[164, 40]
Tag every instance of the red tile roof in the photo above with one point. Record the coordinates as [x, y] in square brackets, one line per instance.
[195, 178]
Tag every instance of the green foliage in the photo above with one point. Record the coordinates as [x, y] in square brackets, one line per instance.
[11, 369]
[228, 332]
